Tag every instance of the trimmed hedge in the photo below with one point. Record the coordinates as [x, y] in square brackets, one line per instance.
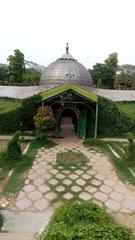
[20, 118]
[84, 221]
[112, 121]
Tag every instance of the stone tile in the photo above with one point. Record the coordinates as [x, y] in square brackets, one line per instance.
[73, 176]
[68, 195]
[105, 189]
[41, 204]
[76, 188]
[109, 183]
[51, 196]
[80, 182]
[41, 171]
[34, 195]
[101, 196]
[84, 167]
[38, 182]
[44, 188]
[67, 182]
[86, 176]
[91, 172]
[48, 167]
[66, 171]
[47, 176]
[23, 204]
[113, 205]
[29, 188]
[129, 204]
[60, 188]
[53, 182]
[95, 182]
[91, 189]
[27, 181]
[21, 195]
[57, 204]
[100, 177]
[116, 196]
[120, 188]
[33, 176]
[60, 176]
[79, 172]
[85, 196]
[54, 171]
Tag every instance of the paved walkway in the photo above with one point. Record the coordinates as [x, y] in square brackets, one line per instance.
[48, 185]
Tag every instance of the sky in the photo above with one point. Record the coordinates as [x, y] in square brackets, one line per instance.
[93, 28]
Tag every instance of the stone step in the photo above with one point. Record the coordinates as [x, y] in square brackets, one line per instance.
[16, 236]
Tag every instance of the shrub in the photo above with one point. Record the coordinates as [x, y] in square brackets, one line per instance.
[44, 120]
[112, 121]
[130, 150]
[130, 137]
[1, 221]
[28, 111]
[13, 149]
[84, 221]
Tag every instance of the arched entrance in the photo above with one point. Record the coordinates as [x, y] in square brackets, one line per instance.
[67, 121]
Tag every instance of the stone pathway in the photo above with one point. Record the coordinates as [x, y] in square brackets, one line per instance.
[48, 185]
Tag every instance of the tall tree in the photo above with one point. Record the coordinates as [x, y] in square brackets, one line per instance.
[106, 71]
[16, 66]
[3, 73]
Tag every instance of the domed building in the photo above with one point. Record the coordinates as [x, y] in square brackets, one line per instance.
[68, 82]
[66, 85]
[66, 70]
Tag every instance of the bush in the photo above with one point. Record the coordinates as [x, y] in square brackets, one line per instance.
[112, 121]
[1, 222]
[84, 221]
[13, 152]
[28, 110]
[130, 150]
[130, 137]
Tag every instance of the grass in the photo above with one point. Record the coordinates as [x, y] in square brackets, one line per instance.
[70, 158]
[121, 166]
[127, 108]
[7, 105]
[16, 181]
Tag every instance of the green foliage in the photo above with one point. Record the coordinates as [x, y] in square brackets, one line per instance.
[1, 221]
[84, 221]
[125, 79]
[127, 108]
[28, 110]
[16, 66]
[3, 73]
[130, 137]
[105, 71]
[99, 83]
[112, 121]
[44, 118]
[13, 152]
[31, 77]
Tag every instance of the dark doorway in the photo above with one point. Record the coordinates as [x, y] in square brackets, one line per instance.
[68, 123]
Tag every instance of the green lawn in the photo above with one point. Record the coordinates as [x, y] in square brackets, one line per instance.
[127, 108]
[70, 158]
[7, 105]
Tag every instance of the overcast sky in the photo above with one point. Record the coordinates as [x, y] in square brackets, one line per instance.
[93, 28]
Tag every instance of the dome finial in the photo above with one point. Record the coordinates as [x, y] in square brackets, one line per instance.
[67, 48]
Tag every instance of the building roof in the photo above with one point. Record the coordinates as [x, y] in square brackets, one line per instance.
[66, 70]
[24, 92]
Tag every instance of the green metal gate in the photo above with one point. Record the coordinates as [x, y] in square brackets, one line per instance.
[82, 123]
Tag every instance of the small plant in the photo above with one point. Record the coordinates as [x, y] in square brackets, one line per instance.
[84, 221]
[130, 150]
[14, 152]
[44, 120]
[130, 137]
